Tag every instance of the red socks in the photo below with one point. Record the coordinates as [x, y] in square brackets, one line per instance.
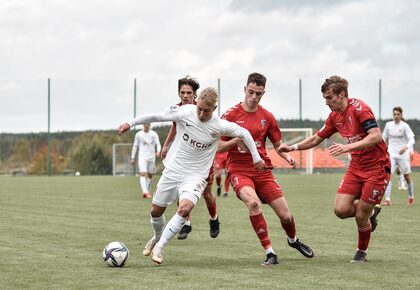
[364, 237]
[290, 228]
[260, 228]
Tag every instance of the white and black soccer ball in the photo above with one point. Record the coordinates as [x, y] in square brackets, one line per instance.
[115, 254]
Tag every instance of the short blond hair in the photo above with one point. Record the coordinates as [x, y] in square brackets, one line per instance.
[209, 96]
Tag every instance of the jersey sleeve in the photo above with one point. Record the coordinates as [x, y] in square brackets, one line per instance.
[234, 130]
[385, 134]
[157, 141]
[328, 129]
[365, 113]
[170, 114]
[135, 145]
[410, 136]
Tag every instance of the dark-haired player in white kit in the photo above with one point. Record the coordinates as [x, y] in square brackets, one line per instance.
[188, 163]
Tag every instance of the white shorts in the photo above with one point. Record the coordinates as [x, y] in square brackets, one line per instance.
[169, 189]
[403, 165]
[147, 165]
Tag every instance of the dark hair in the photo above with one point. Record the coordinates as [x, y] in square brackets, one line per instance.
[256, 78]
[399, 109]
[336, 84]
[190, 82]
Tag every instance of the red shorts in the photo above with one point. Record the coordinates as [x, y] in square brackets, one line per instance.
[210, 178]
[264, 184]
[368, 184]
[220, 160]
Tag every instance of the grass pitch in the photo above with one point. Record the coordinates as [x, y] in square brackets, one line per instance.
[53, 231]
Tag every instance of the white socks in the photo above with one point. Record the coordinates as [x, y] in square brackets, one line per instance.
[148, 182]
[388, 191]
[172, 228]
[410, 189]
[143, 184]
[157, 224]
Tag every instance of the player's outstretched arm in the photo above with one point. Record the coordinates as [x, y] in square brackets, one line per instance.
[373, 137]
[284, 155]
[306, 144]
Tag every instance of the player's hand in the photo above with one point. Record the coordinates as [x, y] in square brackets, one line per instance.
[260, 165]
[132, 161]
[292, 161]
[338, 149]
[284, 148]
[123, 128]
[164, 152]
[157, 154]
[241, 145]
[402, 151]
[411, 156]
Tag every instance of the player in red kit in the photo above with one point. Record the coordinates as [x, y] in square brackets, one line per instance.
[251, 186]
[366, 179]
[220, 164]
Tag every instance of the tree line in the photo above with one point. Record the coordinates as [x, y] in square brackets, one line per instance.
[90, 152]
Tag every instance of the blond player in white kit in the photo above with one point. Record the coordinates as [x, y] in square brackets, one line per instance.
[147, 143]
[399, 137]
[187, 163]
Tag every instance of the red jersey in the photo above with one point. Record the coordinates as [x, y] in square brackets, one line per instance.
[261, 124]
[349, 125]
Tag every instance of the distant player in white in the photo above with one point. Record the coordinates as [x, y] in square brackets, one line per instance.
[148, 144]
[187, 163]
[399, 137]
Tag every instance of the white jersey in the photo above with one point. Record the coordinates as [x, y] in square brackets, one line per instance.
[194, 148]
[147, 143]
[398, 135]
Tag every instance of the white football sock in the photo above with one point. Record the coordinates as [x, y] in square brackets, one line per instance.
[410, 189]
[388, 191]
[400, 180]
[157, 224]
[143, 184]
[172, 228]
[148, 182]
[269, 250]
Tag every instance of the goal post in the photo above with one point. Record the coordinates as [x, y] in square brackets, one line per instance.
[304, 159]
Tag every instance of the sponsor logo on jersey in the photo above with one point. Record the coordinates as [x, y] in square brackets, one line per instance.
[353, 139]
[214, 134]
[173, 107]
[188, 124]
[240, 121]
[351, 120]
[195, 144]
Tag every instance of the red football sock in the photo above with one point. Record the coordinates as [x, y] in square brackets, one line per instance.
[290, 228]
[364, 237]
[227, 184]
[260, 228]
[212, 209]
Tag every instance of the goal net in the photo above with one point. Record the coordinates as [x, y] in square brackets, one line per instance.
[121, 159]
[304, 159]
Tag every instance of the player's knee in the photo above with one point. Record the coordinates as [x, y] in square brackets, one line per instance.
[341, 212]
[254, 206]
[184, 210]
[286, 218]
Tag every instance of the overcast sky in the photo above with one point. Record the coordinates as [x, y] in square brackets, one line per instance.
[93, 51]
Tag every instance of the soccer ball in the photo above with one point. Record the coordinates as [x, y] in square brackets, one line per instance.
[115, 254]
